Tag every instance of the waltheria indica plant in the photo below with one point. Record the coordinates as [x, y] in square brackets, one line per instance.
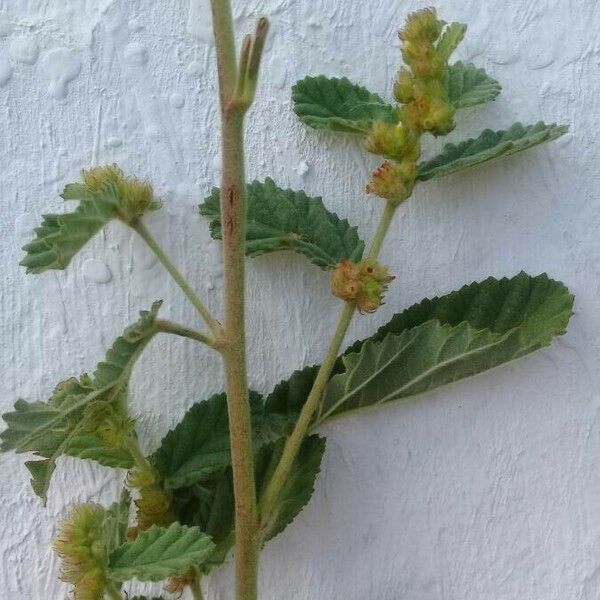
[240, 466]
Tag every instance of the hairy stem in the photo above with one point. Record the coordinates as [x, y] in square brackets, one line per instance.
[181, 330]
[196, 590]
[187, 289]
[233, 218]
[312, 404]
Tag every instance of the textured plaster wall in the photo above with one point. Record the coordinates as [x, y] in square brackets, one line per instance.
[485, 490]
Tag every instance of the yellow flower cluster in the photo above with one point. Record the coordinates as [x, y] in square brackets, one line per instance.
[80, 546]
[421, 93]
[135, 197]
[153, 504]
[363, 283]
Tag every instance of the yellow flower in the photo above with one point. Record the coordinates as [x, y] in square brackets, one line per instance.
[80, 546]
[363, 283]
[393, 181]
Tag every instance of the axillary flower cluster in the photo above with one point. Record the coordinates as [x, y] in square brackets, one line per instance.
[423, 107]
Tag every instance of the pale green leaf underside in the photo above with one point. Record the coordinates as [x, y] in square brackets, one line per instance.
[522, 303]
[490, 145]
[200, 446]
[399, 361]
[158, 553]
[116, 522]
[61, 236]
[59, 426]
[281, 219]
[469, 86]
[338, 105]
[451, 38]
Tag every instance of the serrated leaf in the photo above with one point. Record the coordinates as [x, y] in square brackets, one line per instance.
[451, 38]
[159, 553]
[300, 484]
[60, 425]
[106, 194]
[279, 219]
[490, 145]
[199, 446]
[445, 339]
[339, 105]
[469, 86]
[288, 396]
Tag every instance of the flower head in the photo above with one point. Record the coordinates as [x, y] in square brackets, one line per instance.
[363, 283]
[393, 181]
[81, 547]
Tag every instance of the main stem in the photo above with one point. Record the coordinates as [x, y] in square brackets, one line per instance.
[233, 218]
[312, 404]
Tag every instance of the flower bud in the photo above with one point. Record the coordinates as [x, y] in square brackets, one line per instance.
[133, 196]
[404, 87]
[82, 552]
[363, 284]
[422, 25]
[393, 181]
[386, 139]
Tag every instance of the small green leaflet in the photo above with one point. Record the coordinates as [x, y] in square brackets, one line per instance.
[281, 219]
[116, 522]
[61, 236]
[339, 105]
[453, 35]
[469, 86]
[488, 146]
[400, 360]
[199, 446]
[159, 553]
[63, 424]
[300, 485]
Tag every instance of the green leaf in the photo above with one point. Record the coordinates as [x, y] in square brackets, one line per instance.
[339, 105]
[453, 35]
[469, 86]
[446, 339]
[288, 397]
[281, 219]
[488, 146]
[65, 423]
[105, 195]
[159, 553]
[199, 446]
[299, 487]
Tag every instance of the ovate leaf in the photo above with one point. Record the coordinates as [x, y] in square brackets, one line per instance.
[289, 396]
[300, 484]
[159, 553]
[199, 446]
[488, 146]
[281, 219]
[445, 339]
[339, 105]
[88, 445]
[469, 86]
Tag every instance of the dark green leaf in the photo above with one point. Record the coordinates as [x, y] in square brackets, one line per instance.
[488, 146]
[281, 219]
[299, 487]
[339, 105]
[469, 86]
[158, 553]
[445, 339]
[199, 446]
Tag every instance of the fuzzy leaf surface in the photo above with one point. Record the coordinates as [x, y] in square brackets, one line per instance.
[116, 522]
[339, 105]
[281, 219]
[61, 236]
[446, 339]
[451, 38]
[159, 553]
[199, 446]
[65, 423]
[469, 86]
[490, 145]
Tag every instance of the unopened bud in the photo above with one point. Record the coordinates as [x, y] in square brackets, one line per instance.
[393, 181]
[387, 139]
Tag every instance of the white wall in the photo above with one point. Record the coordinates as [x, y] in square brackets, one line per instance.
[486, 490]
